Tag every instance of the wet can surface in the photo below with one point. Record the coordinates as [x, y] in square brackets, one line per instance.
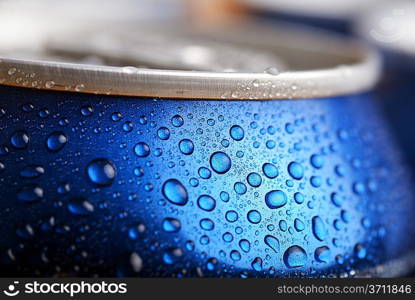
[110, 171]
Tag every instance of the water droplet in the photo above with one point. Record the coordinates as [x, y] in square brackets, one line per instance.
[177, 121]
[316, 181]
[32, 171]
[272, 71]
[163, 133]
[254, 216]
[49, 84]
[79, 87]
[227, 237]
[20, 139]
[275, 199]
[206, 203]
[322, 254]
[237, 133]
[254, 179]
[245, 245]
[128, 126]
[298, 198]
[136, 231]
[257, 264]
[270, 144]
[175, 192]
[317, 161]
[207, 224]
[171, 225]
[272, 242]
[299, 225]
[87, 110]
[360, 251]
[63, 188]
[224, 196]
[204, 173]
[235, 255]
[80, 206]
[231, 216]
[319, 229]
[186, 146]
[101, 171]
[172, 255]
[289, 128]
[136, 262]
[270, 170]
[116, 116]
[142, 149]
[296, 170]
[336, 199]
[56, 141]
[295, 257]
[240, 188]
[220, 162]
[30, 193]
[11, 71]
[28, 107]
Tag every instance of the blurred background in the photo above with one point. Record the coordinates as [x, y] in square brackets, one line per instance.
[113, 33]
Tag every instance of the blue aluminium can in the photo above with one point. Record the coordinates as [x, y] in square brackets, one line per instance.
[109, 171]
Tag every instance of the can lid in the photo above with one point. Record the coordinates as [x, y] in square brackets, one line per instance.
[241, 61]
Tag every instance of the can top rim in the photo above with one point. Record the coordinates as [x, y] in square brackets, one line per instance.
[354, 68]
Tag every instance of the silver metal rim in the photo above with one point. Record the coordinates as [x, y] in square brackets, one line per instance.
[356, 69]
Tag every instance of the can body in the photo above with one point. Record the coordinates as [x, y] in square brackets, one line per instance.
[127, 186]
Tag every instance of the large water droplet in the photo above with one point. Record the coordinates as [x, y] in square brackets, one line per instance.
[237, 133]
[360, 251]
[30, 193]
[163, 133]
[80, 206]
[295, 257]
[172, 255]
[319, 229]
[220, 162]
[272, 242]
[142, 149]
[186, 146]
[207, 224]
[275, 199]
[20, 139]
[56, 141]
[254, 179]
[245, 245]
[174, 191]
[299, 225]
[231, 216]
[32, 171]
[296, 170]
[317, 161]
[171, 225]
[254, 216]
[240, 188]
[177, 121]
[101, 171]
[206, 203]
[257, 264]
[270, 170]
[322, 254]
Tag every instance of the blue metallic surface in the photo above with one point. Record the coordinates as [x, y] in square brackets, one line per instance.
[116, 186]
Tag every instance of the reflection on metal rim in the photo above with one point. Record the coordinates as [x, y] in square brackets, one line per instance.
[316, 67]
